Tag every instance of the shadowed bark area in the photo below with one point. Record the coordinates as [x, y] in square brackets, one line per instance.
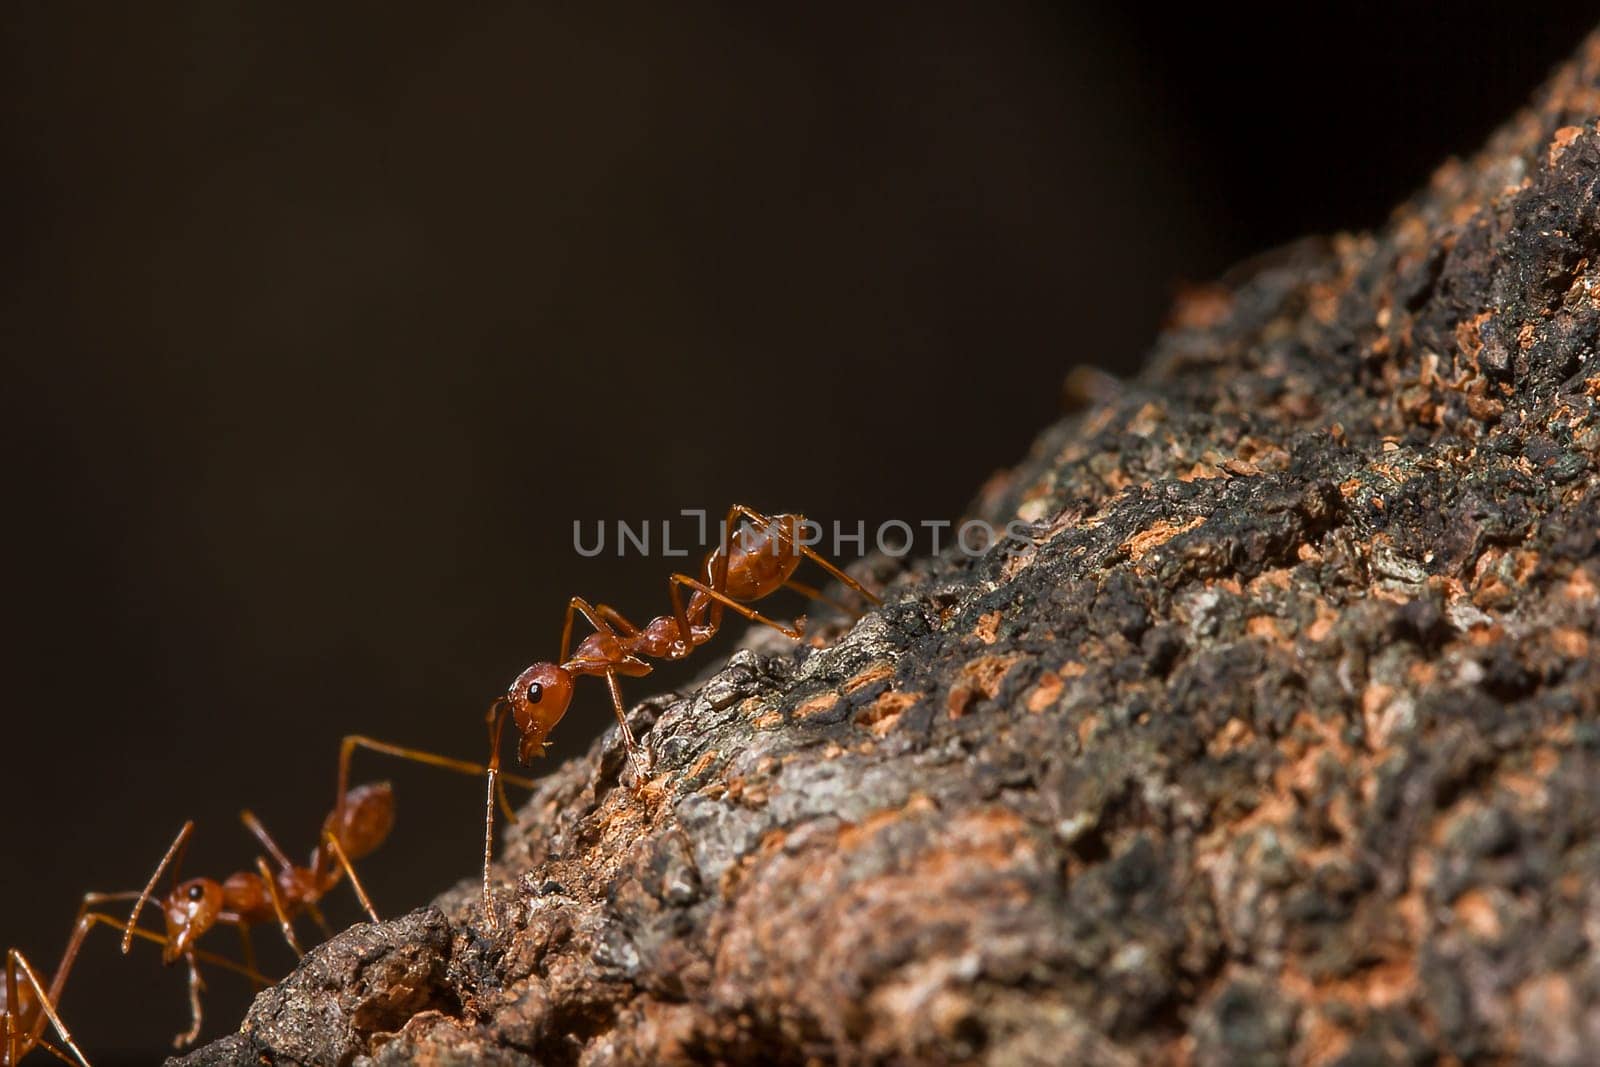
[1276, 738]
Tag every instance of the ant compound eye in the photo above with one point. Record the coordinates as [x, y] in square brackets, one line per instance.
[535, 691]
[196, 892]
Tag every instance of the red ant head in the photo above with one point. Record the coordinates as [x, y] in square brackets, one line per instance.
[539, 697]
[191, 909]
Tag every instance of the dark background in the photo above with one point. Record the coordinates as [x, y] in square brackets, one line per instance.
[323, 324]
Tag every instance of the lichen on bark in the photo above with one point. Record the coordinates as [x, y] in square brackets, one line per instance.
[1276, 739]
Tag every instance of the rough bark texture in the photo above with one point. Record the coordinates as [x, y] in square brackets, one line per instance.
[1277, 741]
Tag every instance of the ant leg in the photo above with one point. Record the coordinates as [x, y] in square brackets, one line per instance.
[628, 743]
[16, 961]
[13, 1035]
[253, 824]
[615, 618]
[416, 755]
[196, 986]
[350, 872]
[816, 594]
[174, 857]
[351, 742]
[497, 719]
[839, 574]
[579, 605]
[79, 929]
[277, 906]
[249, 948]
[727, 601]
[57, 1053]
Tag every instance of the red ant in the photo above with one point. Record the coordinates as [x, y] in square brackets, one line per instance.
[752, 564]
[26, 1004]
[191, 908]
[360, 821]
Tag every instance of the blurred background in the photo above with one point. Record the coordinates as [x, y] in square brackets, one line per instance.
[323, 323]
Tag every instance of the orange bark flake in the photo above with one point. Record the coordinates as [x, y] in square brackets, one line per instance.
[979, 678]
[1143, 542]
[879, 717]
[1046, 693]
[876, 672]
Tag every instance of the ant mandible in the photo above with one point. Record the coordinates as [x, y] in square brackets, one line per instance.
[751, 563]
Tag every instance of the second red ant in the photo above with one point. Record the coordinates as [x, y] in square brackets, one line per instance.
[750, 563]
[359, 822]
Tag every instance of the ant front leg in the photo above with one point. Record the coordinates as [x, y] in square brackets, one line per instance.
[498, 712]
[197, 986]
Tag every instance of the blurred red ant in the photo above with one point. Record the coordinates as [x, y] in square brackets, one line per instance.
[752, 562]
[245, 898]
[26, 1005]
[360, 821]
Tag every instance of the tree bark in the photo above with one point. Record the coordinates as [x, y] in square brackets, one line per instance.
[1272, 735]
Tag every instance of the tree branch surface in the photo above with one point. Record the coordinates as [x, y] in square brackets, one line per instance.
[1277, 739]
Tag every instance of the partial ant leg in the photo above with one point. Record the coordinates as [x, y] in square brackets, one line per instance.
[615, 618]
[628, 743]
[12, 1034]
[277, 906]
[197, 986]
[497, 720]
[351, 742]
[805, 550]
[816, 594]
[174, 857]
[839, 574]
[259, 831]
[350, 872]
[579, 605]
[16, 961]
[40, 1042]
[728, 602]
[249, 949]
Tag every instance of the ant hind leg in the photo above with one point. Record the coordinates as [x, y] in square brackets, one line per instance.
[350, 873]
[726, 601]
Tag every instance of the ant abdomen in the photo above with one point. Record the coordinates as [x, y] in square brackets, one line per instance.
[364, 820]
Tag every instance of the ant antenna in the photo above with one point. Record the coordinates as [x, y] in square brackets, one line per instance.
[174, 857]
